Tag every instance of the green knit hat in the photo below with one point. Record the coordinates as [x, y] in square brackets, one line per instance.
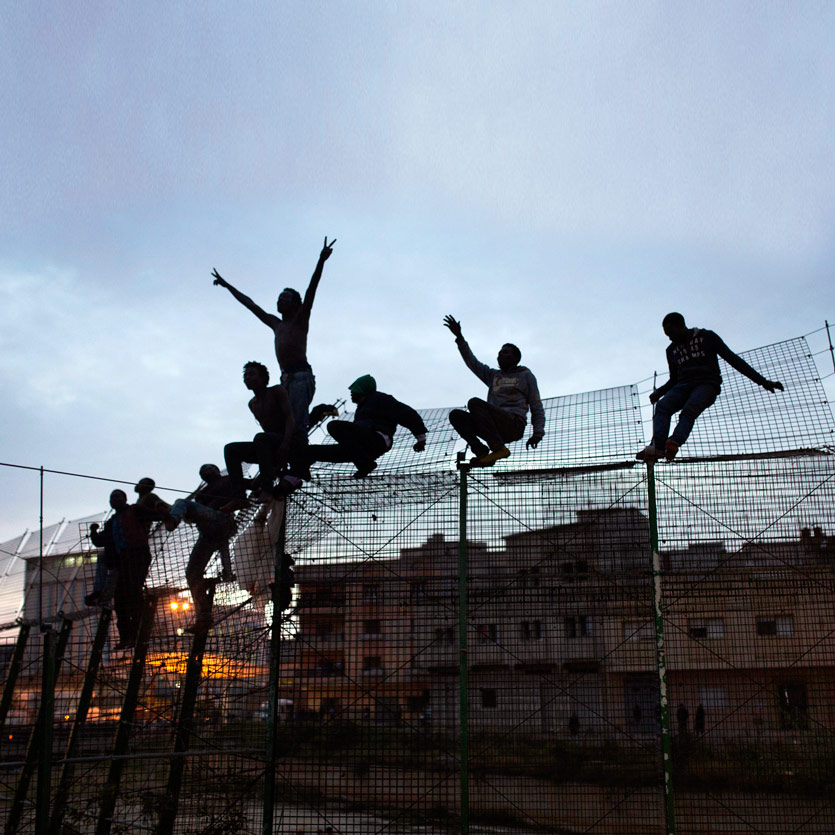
[363, 385]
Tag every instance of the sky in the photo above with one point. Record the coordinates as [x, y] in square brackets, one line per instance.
[558, 175]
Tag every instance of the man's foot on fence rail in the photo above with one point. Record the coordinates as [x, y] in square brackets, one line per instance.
[650, 454]
[490, 458]
[235, 504]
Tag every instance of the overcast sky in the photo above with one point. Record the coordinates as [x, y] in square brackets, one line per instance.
[559, 175]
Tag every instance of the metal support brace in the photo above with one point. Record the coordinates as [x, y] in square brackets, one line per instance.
[14, 672]
[39, 747]
[85, 699]
[120, 745]
[185, 725]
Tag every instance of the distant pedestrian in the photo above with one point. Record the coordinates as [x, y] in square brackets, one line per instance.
[683, 719]
[699, 723]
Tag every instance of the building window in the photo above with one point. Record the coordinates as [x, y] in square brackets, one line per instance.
[706, 628]
[488, 697]
[372, 664]
[488, 633]
[444, 635]
[324, 631]
[371, 592]
[638, 631]
[577, 626]
[418, 590]
[371, 627]
[780, 627]
[530, 630]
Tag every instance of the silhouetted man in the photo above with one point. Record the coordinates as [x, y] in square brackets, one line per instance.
[148, 499]
[372, 432]
[694, 384]
[270, 448]
[503, 417]
[125, 542]
[105, 579]
[215, 529]
[291, 348]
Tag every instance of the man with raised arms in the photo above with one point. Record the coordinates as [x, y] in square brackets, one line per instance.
[290, 331]
[694, 384]
[503, 417]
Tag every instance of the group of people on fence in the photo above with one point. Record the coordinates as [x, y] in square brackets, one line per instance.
[284, 456]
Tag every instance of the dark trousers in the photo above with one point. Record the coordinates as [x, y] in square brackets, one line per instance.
[353, 443]
[261, 450]
[495, 425]
[692, 400]
[127, 596]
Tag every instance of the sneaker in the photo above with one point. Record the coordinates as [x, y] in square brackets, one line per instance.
[287, 485]
[479, 449]
[649, 454]
[671, 449]
[364, 469]
[490, 458]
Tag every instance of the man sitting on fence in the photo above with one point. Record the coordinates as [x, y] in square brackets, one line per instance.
[694, 384]
[270, 448]
[502, 418]
[372, 432]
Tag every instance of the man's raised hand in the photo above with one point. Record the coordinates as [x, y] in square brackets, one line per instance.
[327, 249]
[454, 326]
[219, 279]
[772, 385]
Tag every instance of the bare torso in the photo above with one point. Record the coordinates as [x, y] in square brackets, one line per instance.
[268, 408]
[291, 340]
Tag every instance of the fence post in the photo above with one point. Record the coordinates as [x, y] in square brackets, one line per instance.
[463, 661]
[14, 672]
[85, 698]
[271, 741]
[660, 656]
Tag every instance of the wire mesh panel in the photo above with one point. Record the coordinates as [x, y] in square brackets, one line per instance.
[750, 618]
[435, 649]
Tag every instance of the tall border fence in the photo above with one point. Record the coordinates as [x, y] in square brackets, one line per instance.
[566, 642]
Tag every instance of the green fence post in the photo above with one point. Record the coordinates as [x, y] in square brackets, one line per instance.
[120, 745]
[661, 657]
[85, 698]
[463, 661]
[14, 672]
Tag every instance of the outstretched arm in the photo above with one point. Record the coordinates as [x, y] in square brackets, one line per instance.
[327, 249]
[267, 318]
[483, 372]
[740, 365]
